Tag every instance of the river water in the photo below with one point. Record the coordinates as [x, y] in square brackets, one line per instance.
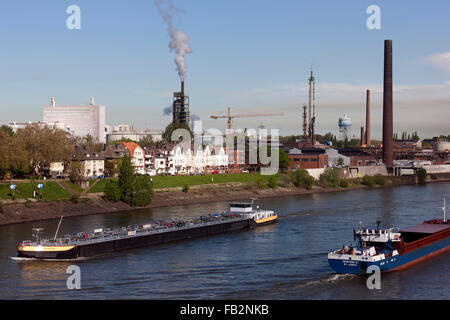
[287, 260]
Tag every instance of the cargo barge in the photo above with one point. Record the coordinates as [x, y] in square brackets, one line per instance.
[80, 245]
[392, 249]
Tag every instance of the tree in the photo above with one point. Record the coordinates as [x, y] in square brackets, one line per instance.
[147, 142]
[115, 142]
[74, 170]
[112, 191]
[13, 156]
[167, 135]
[302, 179]
[330, 178]
[368, 181]
[44, 145]
[126, 180]
[422, 175]
[284, 160]
[142, 193]
[8, 130]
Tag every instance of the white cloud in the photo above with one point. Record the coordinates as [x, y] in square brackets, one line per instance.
[439, 60]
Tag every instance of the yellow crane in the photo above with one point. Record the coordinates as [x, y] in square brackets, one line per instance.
[230, 117]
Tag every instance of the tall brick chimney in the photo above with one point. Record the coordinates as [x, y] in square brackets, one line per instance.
[367, 118]
[388, 127]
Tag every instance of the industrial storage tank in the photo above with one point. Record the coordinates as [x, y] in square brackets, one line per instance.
[345, 121]
[345, 126]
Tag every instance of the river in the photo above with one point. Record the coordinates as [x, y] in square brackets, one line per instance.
[287, 260]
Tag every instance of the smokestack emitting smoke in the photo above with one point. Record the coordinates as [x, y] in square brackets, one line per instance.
[180, 40]
[368, 118]
[388, 126]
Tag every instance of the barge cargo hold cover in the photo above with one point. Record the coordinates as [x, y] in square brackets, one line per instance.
[241, 216]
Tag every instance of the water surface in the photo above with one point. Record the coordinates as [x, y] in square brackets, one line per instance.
[287, 260]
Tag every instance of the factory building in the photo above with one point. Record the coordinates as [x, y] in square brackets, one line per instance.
[124, 131]
[79, 120]
[307, 159]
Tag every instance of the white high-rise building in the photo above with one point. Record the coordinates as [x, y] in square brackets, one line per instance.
[78, 120]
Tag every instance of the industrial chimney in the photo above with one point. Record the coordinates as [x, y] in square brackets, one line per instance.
[388, 127]
[180, 106]
[362, 136]
[368, 118]
[52, 102]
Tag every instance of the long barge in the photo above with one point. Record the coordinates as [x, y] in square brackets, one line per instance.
[392, 249]
[240, 216]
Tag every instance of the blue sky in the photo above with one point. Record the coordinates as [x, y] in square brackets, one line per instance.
[251, 55]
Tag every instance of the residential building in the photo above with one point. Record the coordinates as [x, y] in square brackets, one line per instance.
[92, 163]
[113, 158]
[137, 156]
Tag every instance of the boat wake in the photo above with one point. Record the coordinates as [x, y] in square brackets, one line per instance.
[331, 279]
[54, 260]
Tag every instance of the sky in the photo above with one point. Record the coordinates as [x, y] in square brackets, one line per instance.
[252, 55]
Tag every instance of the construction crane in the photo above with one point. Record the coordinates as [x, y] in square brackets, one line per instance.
[244, 115]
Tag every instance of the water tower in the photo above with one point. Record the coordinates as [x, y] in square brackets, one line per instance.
[345, 127]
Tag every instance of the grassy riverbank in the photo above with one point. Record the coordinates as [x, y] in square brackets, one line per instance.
[162, 182]
[52, 191]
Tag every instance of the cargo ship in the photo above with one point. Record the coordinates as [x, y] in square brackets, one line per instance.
[100, 241]
[391, 249]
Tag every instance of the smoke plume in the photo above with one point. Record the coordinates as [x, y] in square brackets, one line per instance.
[179, 40]
[167, 111]
[194, 118]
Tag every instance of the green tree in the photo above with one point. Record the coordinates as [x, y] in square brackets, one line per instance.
[8, 130]
[167, 135]
[368, 181]
[302, 179]
[380, 179]
[44, 145]
[272, 182]
[343, 183]
[330, 178]
[422, 175]
[13, 156]
[112, 191]
[126, 180]
[284, 160]
[115, 142]
[146, 142]
[142, 192]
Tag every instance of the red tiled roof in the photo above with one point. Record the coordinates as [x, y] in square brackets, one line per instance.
[130, 146]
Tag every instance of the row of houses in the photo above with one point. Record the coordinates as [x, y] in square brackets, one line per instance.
[171, 160]
[174, 160]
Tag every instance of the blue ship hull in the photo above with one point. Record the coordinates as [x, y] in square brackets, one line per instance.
[392, 263]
